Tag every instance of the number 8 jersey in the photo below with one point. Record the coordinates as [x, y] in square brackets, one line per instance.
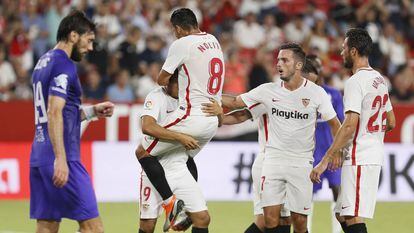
[366, 93]
[201, 70]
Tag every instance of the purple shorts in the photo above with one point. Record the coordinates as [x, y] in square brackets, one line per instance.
[333, 177]
[76, 200]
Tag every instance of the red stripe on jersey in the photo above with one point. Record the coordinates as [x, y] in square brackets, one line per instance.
[187, 96]
[265, 126]
[306, 82]
[354, 145]
[140, 192]
[187, 113]
[254, 105]
[358, 181]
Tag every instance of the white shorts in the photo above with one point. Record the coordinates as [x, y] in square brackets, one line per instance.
[358, 193]
[256, 174]
[287, 185]
[183, 186]
[201, 128]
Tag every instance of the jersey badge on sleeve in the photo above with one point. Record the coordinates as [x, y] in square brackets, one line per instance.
[148, 105]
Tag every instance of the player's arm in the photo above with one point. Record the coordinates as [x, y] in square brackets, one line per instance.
[345, 133]
[236, 117]
[55, 130]
[101, 110]
[390, 120]
[232, 102]
[152, 128]
[163, 78]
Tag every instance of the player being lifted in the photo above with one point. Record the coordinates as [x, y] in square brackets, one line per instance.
[368, 115]
[324, 136]
[199, 58]
[292, 104]
[60, 186]
[158, 104]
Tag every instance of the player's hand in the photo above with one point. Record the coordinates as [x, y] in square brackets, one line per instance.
[336, 161]
[60, 173]
[188, 142]
[104, 109]
[317, 171]
[212, 109]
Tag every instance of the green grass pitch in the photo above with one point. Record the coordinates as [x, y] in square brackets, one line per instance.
[226, 217]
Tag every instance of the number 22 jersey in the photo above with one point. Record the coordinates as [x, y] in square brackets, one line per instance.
[366, 93]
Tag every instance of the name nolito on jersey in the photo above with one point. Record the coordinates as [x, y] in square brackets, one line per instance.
[292, 114]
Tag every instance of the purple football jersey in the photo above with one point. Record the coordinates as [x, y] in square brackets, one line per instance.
[55, 74]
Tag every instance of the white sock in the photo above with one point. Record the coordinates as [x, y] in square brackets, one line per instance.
[336, 226]
[309, 225]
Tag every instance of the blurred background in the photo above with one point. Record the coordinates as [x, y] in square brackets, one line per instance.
[133, 37]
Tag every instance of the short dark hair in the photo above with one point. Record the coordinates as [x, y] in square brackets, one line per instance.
[309, 67]
[185, 18]
[313, 59]
[74, 21]
[296, 49]
[359, 39]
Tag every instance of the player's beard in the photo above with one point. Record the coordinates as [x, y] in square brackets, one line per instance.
[76, 54]
[288, 77]
[348, 62]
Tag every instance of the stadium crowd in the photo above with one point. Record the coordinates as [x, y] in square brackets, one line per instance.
[133, 37]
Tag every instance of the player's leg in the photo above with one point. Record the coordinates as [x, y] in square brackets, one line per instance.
[299, 189]
[338, 204]
[316, 188]
[200, 220]
[93, 225]
[334, 180]
[47, 226]
[285, 220]
[147, 225]
[258, 224]
[192, 167]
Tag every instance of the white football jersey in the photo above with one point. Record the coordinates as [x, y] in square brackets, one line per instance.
[201, 70]
[292, 120]
[159, 105]
[259, 115]
[366, 93]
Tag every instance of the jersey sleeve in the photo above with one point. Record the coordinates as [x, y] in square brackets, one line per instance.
[253, 97]
[257, 111]
[62, 81]
[176, 56]
[353, 96]
[325, 108]
[152, 106]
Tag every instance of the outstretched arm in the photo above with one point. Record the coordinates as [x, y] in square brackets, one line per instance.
[163, 78]
[101, 110]
[232, 102]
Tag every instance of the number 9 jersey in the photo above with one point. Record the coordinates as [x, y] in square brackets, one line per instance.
[366, 93]
[200, 61]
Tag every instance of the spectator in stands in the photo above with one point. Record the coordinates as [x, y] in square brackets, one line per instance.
[94, 90]
[147, 82]
[121, 90]
[235, 82]
[296, 30]
[100, 54]
[22, 88]
[55, 13]
[152, 53]
[7, 75]
[274, 36]
[402, 88]
[129, 57]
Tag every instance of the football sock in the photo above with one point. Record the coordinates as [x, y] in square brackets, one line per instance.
[156, 175]
[357, 228]
[283, 228]
[192, 167]
[199, 230]
[344, 227]
[305, 232]
[253, 228]
[271, 230]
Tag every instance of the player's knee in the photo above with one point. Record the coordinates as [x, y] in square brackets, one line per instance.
[299, 222]
[147, 225]
[140, 152]
[201, 219]
[47, 227]
[92, 227]
[271, 220]
[285, 221]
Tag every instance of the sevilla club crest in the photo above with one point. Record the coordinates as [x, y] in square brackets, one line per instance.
[305, 102]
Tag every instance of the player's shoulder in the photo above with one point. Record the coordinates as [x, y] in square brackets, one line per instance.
[61, 61]
[157, 93]
[311, 86]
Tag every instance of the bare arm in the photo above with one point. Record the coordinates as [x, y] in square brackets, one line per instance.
[232, 102]
[334, 124]
[55, 129]
[390, 120]
[150, 127]
[163, 78]
[101, 110]
[236, 117]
